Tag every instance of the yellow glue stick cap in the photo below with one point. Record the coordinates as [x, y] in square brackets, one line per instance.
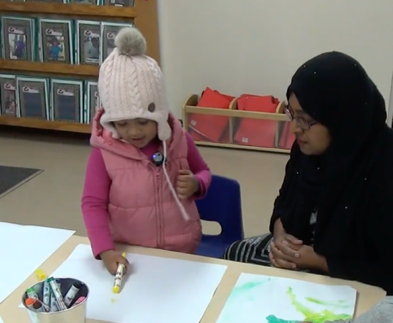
[40, 274]
[116, 289]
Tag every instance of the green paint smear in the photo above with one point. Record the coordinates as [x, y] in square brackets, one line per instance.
[309, 315]
[246, 287]
[341, 303]
[274, 319]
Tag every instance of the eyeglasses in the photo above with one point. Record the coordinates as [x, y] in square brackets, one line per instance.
[300, 121]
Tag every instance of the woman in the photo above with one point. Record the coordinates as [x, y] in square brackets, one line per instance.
[334, 212]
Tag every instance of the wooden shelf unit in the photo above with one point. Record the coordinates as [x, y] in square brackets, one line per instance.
[45, 124]
[145, 18]
[68, 9]
[38, 68]
[190, 107]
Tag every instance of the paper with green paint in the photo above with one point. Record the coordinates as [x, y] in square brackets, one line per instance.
[264, 299]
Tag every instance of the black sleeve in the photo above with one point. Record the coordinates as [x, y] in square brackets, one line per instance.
[371, 273]
[290, 170]
[377, 271]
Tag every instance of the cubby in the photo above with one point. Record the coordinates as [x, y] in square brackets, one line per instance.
[143, 15]
[277, 124]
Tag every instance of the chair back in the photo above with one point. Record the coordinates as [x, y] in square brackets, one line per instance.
[222, 204]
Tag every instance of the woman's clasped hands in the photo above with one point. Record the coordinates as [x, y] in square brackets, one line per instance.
[289, 252]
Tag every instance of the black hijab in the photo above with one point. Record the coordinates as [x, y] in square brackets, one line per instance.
[335, 90]
[351, 184]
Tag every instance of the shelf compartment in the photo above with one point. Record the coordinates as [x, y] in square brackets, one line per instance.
[45, 124]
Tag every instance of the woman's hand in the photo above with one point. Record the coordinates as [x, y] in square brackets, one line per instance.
[284, 248]
[112, 259]
[283, 256]
[309, 259]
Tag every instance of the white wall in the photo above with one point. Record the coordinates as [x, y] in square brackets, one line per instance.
[255, 46]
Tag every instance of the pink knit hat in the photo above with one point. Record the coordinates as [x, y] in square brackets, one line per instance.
[131, 85]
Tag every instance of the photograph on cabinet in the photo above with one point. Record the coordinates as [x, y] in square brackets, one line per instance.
[67, 100]
[48, 1]
[33, 97]
[94, 2]
[88, 42]
[92, 100]
[119, 3]
[109, 31]
[8, 102]
[56, 43]
[18, 38]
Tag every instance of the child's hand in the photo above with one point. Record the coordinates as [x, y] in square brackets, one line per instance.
[187, 184]
[111, 259]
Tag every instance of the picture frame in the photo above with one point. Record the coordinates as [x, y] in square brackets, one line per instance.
[67, 100]
[56, 42]
[87, 42]
[86, 2]
[48, 1]
[109, 31]
[18, 38]
[8, 96]
[119, 3]
[33, 97]
[92, 101]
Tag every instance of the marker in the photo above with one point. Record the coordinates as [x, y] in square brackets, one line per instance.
[57, 293]
[119, 276]
[40, 274]
[46, 294]
[33, 304]
[79, 300]
[32, 293]
[69, 297]
[53, 303]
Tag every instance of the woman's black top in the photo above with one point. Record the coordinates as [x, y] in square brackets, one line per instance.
[351, 185]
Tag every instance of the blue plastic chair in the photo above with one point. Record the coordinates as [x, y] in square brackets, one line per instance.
[221, 204]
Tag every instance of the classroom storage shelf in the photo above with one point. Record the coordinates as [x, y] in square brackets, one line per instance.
[45, 124]
[80, 10]
[143, 15]
[276, 131]
[38, 68]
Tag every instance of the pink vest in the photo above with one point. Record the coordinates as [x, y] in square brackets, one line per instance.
[142, 208]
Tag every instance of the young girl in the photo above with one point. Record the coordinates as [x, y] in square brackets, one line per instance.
[144, 171]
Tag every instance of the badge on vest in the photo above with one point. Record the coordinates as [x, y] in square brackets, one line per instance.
[158, 159]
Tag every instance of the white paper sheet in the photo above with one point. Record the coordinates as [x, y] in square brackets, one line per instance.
[263, 299]
[156, 290]
[23, 250]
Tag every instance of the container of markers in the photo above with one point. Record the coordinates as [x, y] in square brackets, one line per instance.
[56, 300]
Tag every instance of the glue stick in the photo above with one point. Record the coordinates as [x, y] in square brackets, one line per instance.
[79, 300]
[53, 303]
[119, 276]
[46, 294]
[69, 297]
[32, 293]
[33, 304]
[57, 293]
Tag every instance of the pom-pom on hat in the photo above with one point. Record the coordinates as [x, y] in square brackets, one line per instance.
[131, 85]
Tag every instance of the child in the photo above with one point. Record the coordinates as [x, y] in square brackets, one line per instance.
[55, 49]
[131, 195]
[380, 313]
